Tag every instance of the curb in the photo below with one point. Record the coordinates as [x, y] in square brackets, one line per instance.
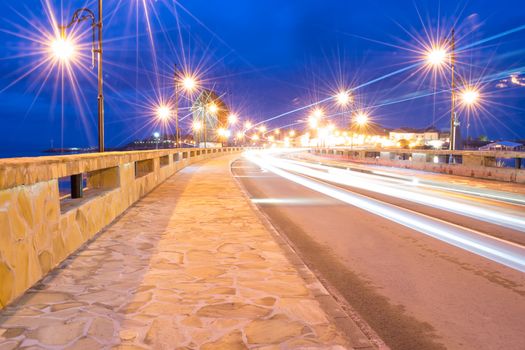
[359, 335]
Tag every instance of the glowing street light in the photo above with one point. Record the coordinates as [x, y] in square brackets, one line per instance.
[63, 49]
[247, 125]
[318, 113]
[163, 113]
[361, 119]
[262, 129]
[436, 56]
[197, 126]
[291, 133]
[343, 98]
[313, 122]
[212, 108]
[469, 96]
[224, 133]
[232, 119]
[189, 83]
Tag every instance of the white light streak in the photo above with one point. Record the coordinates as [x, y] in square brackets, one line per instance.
[506, 253]
[363, 181]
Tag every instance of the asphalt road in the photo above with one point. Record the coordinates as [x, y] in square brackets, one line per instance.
[444, 273]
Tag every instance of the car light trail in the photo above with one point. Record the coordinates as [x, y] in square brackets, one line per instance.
[292, 201]
[503, 252]
[363, 181]
[403, 179]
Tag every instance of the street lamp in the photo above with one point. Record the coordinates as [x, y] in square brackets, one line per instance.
[189, 84]
[313, 122]
[197, 126]
[163, 113]
[469, 96]
[212, 108]
[64, 50]
[318, 113]
[343, 98]
[232, 119]
[437, 57]
[156, 136]
[360, 119]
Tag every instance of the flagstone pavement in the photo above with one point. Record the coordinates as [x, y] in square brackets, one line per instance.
[190, 266]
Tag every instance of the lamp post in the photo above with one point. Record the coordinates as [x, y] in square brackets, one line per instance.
[189, 84]
[212, 109]
[81, 15]
[176, 93]
[360, 119]
[343, 99]
[454, 121]
[437, 57]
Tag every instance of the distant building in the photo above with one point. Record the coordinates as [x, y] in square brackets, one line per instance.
[503, 146]
[419, 137]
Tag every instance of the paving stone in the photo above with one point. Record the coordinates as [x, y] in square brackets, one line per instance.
[272, 331]
[8, 345]
[58, 334]
[101, 328]
[305, 310]
[163, 334]
[232, 341]
[85, 344]
[233, 310]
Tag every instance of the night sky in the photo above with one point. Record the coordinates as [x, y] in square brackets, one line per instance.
[266, 58]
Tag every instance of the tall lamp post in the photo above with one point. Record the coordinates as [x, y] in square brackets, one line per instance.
[437, 57]
[343, 99]
[81, 15]
[177, 133]
[454, 121]
[360, 120]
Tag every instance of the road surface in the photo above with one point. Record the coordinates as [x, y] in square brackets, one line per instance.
[428, 264]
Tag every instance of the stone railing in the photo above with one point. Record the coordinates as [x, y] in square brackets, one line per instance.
[493, 165]
[40, 227]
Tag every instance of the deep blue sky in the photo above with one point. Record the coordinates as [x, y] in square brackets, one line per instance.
[267, 57]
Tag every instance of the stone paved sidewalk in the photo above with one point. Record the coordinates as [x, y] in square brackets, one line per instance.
[190, 266]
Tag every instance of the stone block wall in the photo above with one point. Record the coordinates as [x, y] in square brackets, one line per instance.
[481, 165]
[38, 231]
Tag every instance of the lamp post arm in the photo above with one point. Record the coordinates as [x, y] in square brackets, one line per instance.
[81, 15]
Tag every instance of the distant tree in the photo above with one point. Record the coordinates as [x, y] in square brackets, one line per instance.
[483, 138]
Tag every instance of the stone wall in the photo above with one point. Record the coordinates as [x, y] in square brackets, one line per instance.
[39, 229]
[476, 164]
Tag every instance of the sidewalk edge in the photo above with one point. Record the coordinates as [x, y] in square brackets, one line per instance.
[328, 302]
